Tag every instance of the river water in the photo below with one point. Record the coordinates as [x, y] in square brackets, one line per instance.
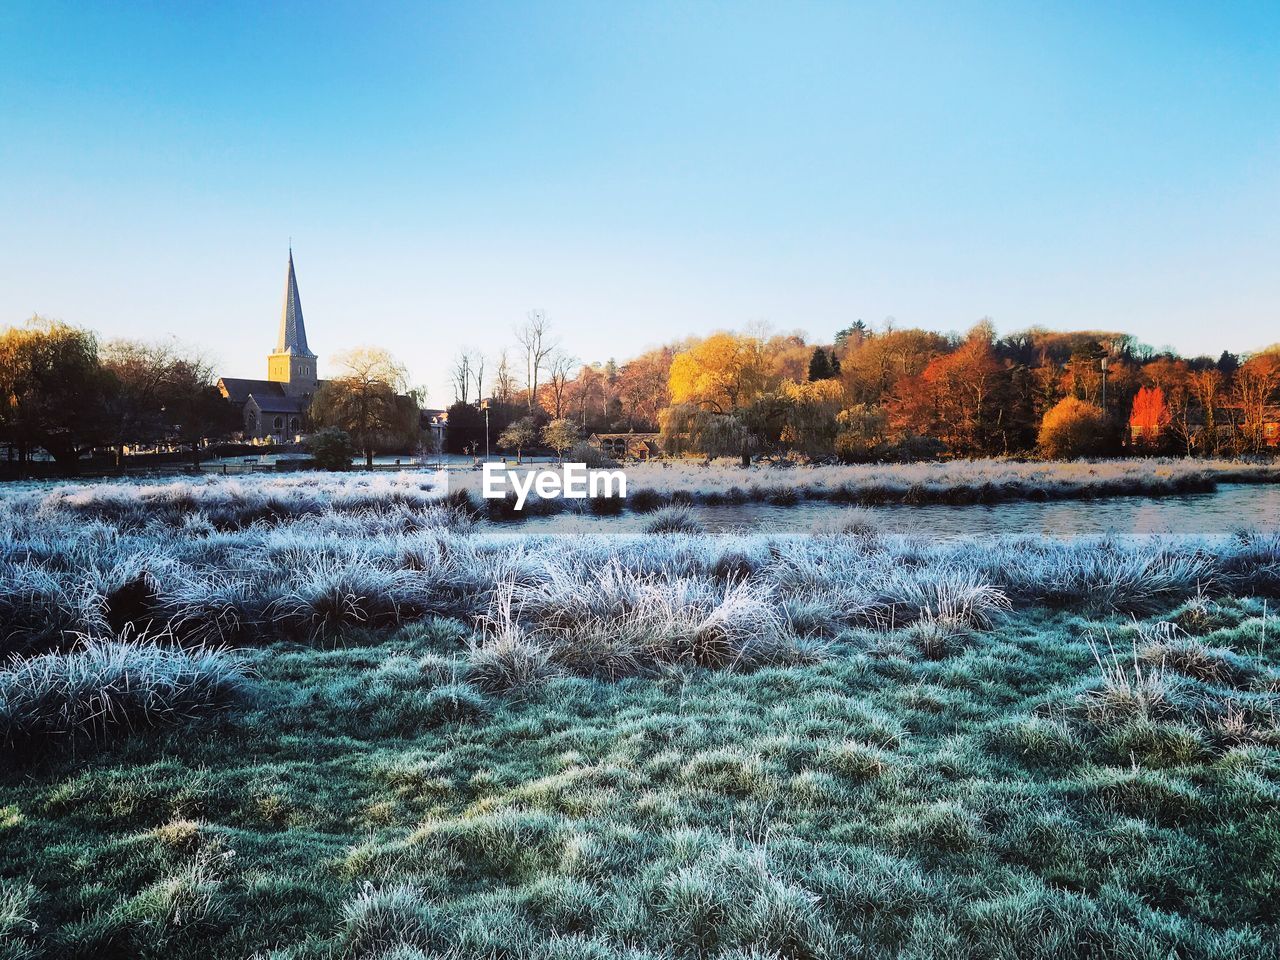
[1230, 508]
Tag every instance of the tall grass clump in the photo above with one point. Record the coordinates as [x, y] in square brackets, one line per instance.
[39, 607]
[621, 622]
[850, 522]
[1129, 686]
[1106, 576]
[330, 594]
[17, 922]
[380, 920]
[108, 686]
[673, 520]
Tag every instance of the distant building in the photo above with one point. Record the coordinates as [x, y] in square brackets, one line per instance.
[275, 409]
[628, 446]
[435, 425]
[1229, 422]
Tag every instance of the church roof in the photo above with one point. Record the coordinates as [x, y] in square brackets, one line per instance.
[293, 333]
[275, 403]
[237, 389]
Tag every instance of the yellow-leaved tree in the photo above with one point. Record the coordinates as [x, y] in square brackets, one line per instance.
[722, 373]
[713, 384]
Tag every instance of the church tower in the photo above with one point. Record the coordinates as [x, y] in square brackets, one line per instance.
[292, 364]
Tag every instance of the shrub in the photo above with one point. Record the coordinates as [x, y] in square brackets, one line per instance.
[591, 455]
[645, 500]
[606, 506]
[1072, 428]
[332, 449]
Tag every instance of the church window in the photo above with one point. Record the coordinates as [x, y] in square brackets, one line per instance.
[279, 423]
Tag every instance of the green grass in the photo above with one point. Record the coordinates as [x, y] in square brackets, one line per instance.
[1007, 799]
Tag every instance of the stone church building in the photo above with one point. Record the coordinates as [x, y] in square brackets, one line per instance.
[275, 409]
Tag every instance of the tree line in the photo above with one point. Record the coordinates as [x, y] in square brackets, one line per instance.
[64, 392]
[873, 394]
[868, 394]
[68, 394]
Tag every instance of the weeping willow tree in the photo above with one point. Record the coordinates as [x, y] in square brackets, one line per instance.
[686, 426]
[365, 401]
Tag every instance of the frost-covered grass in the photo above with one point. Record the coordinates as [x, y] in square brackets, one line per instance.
[653, 485]
[228, 503]
[672, 745]
[111, 687]
[361, 561]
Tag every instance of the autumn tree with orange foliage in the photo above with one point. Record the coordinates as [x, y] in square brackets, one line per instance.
[957, 397]
[1150, 417]
[643, 389]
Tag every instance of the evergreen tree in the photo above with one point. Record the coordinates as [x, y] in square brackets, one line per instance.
[819, 366]
[851, 336]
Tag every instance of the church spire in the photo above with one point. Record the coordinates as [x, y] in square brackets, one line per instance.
[293, 334]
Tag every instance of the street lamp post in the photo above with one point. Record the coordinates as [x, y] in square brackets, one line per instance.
[484, 405]
[1104, 385]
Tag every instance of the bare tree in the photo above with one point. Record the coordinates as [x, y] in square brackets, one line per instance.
[559, 367]
[1254, 384]
[504, 381]
[477, 366]
[1207, 387]
[587, 386]
[536, 343]
[461, 375]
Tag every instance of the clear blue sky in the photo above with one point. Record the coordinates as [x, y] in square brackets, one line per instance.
[640, 171]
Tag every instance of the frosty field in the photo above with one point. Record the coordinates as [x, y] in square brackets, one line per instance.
[341, 717]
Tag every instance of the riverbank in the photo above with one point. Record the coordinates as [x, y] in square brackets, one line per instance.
[652, 486]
